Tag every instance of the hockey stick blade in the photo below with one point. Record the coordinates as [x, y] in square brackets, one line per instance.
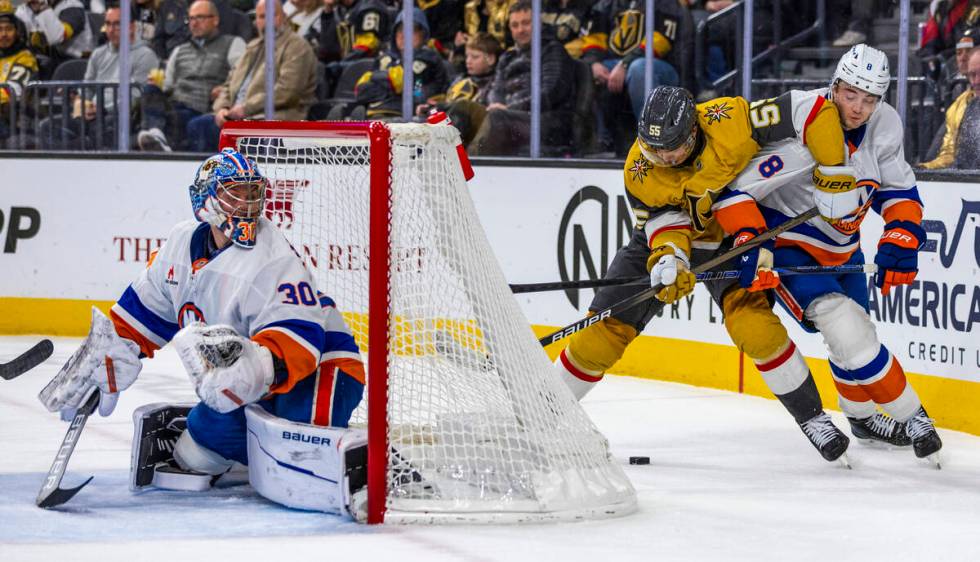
[648, 294]
[52, 494]
[27, 360]
[705, 276]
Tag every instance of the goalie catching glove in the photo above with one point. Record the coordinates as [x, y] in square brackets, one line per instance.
[755, 267]
[104, 361]
[836, 193]
[228, 370]
[670, 267]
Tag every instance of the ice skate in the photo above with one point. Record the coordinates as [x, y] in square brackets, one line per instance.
[879, 429]
[925, 441]
[829, 441]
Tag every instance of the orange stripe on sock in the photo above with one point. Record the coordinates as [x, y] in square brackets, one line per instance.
[323, 396]
[854, 393]
[889, 387]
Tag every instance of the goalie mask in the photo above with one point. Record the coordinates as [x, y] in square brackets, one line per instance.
[668, 128]
[229, 193]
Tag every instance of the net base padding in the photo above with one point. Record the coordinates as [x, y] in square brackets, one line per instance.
[467, 418]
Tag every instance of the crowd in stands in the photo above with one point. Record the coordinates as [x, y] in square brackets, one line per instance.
[197, 64]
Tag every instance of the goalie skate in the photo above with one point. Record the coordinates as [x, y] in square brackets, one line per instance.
[829, 441]
[157, 427]
[879, 429]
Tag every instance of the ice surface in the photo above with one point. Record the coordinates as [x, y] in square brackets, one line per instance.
[731, 478]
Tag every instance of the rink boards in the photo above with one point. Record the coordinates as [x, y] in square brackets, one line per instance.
[75, 232]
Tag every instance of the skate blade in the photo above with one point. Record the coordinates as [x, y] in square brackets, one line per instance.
[844, 462]
[934, 460]
[882, 445]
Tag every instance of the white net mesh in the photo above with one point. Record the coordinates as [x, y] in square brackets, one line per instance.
[480, 427]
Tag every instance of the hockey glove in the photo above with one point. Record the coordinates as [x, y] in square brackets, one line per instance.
[836, 192]
[228, 370]
[671, 268]
[756, 264]
[898, 254]
[104, 361]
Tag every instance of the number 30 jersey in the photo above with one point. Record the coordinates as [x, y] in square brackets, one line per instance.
[674, 205]
[264, 293]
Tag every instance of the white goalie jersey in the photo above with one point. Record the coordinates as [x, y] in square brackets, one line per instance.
[264, 293]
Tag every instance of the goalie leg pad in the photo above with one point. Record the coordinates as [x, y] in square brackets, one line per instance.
[304, 466]
[156, 429]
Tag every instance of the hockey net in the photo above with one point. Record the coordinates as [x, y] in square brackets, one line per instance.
[467, 421]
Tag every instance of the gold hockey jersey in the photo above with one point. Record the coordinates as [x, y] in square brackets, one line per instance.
[674, 204]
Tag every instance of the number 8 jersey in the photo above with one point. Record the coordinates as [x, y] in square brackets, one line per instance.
[265, 293]
[674, 204]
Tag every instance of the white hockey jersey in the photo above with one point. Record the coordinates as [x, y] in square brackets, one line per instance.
[779, 181]
[264, 293]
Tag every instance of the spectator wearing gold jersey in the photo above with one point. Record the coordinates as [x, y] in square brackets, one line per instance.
[615, 46]
[56, 29]
[17, 65]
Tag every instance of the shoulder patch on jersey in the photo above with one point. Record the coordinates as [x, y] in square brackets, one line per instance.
[715, 113]
[640, 168]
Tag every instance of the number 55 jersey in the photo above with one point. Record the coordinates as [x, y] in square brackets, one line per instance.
[675, 204]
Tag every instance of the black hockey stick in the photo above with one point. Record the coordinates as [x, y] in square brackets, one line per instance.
[647, 294]
[27, 360]
[706, 276]
[52, 494]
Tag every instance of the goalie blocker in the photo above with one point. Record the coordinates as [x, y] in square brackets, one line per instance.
[298, 465]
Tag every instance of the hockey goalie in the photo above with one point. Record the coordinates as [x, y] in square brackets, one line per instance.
[275, 366]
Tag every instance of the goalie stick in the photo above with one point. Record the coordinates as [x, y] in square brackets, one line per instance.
[517, 288]
[649, 293]
[52, 494]
[26, 361]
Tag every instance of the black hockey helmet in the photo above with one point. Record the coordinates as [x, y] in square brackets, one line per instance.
[669, 121]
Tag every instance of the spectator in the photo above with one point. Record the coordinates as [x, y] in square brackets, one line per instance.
[381, 89]
[304, 16]
[103, 66]
[615, 48]
[172, 28]
[145, 14]
[961, 141]
[445, 19]
[947, 19]
[17, 64]
[351, 29]
[506, 129]
[191, 81]
[565, 20]
[952, 81]
[490, 16]
[466, 99]
[57, 30]
[242, 96]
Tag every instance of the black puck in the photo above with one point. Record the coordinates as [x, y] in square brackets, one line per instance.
[639, 460]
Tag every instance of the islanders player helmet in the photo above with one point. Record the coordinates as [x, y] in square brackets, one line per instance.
[229, 192]
[865, 68]
[668, 128]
